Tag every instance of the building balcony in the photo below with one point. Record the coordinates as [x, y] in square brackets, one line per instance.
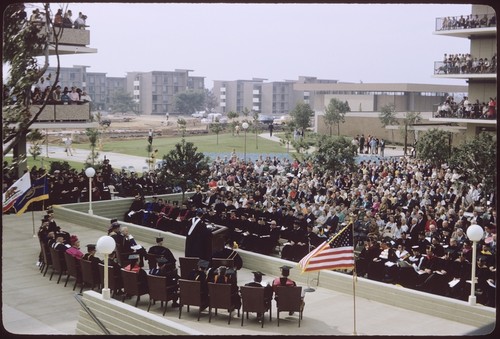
[462, 71]
[63, 113]
[71, 41]
[467, 26]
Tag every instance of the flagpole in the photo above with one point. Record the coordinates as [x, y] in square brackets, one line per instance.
[354, 277]
[33, 220]
[309, 288]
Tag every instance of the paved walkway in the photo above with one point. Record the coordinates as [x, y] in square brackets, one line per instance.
[138, 164]
[32, 304]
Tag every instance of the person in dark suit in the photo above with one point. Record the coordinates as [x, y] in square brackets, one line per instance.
[159, 250]
[268, 290]
[200, 274]
[94, 261]
[198, 238]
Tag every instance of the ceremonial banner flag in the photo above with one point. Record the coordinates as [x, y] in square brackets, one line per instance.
[39, 191]
[15, 192]
[336, 253]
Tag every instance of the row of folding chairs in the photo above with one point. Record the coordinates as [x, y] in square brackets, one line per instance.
[220, 296]
[288, 299]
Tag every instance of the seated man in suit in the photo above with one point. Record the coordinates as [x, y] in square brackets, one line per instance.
[164, 270]
[200, 274]
[268, 290]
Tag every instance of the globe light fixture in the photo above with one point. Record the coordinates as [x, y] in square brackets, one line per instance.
[474, 233]
[106, 245]
[90, 172]
[245, 127]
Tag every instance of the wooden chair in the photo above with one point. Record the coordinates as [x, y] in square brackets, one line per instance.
[47, 260]
[133, 286]
[73, 270]
[190, 295]
[253, 300]
[158, 290]
[220, 296]
[115, 281]
[187, 265]
[217, 262]
[289, 299]
[58, 263]
[89, 276]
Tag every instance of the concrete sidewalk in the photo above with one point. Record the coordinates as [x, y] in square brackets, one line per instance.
[34, 305]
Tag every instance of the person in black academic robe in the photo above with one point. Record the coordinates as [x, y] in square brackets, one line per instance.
[198, 239]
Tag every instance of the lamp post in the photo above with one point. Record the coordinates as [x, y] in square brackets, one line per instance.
[245, 127]
[474, 233]
[90, 172]
[106, 245]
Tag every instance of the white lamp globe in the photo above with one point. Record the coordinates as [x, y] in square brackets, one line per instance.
[105, 244]
[244, 125]
[90, 172]
[475, 232]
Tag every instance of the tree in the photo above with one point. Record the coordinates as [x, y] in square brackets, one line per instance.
[255, 125]
[301, 115]
[184, 167]
[233, 115]
[189, 102]
[335, 113]
[123, 102]
[211, 101]
[93, 134]
[410, 119]
[22, 43]
[246, 113]
[334, 155]
[475, 160]
[35, 138]
[387, 117]
[216, 127]
[434, 147]
[182, 126]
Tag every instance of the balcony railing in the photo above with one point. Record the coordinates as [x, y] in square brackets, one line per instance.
[464, 67]
[63, 113]
[470, 21]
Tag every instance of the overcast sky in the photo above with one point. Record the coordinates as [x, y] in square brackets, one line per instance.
[346, 42]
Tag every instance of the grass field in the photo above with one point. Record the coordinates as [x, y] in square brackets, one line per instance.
[225, 143]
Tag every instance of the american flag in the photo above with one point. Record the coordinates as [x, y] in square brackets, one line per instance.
[334, 254]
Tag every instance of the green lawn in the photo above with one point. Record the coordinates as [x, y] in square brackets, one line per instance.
[205, 143]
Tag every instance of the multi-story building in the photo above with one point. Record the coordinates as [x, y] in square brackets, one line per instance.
[477, 66]
[155, 91]
[272, 98]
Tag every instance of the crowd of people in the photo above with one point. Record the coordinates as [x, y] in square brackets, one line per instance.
[60, 96]
[287, 208]
[464, 63]
[131, 256]
[284, 205]
[467, 109]
[468, 21]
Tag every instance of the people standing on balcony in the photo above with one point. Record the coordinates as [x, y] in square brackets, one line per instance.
[58, 18]
[74, 97]
[492, 108]
[80, 22]
[67, 20]
[56, 95]
[85, 97]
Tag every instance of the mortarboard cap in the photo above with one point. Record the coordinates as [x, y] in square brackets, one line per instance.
[113, 220]
[133, 257]
[91, 247]
[285, 270]
[203, 263]
[415, 247]
[159, 239]
[258, 274]
[161, 260]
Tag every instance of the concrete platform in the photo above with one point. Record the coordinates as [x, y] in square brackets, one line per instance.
[34, 305]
